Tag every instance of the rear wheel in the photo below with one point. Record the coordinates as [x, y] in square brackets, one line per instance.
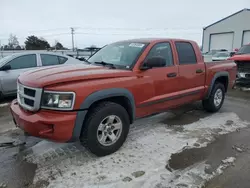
[106, 128]
[216, 98]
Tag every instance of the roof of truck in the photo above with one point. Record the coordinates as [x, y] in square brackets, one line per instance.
[150, 40]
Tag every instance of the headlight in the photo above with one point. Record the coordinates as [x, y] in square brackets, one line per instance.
[241, 75]
[58, 100]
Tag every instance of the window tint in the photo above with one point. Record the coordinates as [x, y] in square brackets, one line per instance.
[186, 53]
[162, 50]
[49, 59]
[62, 60]
[22, 62]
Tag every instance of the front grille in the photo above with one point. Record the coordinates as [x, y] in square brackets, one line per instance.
[29, 98]
[247, 75]
[243, 66]
[30, 92]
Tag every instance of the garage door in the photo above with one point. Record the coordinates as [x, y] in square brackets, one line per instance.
[221, 41]
[246, 37]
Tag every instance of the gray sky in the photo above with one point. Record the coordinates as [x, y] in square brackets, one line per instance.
[99, 22]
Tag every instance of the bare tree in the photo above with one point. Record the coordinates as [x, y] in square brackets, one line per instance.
[13, 41]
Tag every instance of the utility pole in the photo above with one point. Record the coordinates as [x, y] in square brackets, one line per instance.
[72, 34]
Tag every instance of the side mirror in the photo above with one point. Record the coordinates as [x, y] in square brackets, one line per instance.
[81, 59]
[232, 54]
[153, 62]
[5, 68]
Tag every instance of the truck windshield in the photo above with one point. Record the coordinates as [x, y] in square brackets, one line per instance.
[244, 50]
[121, 54]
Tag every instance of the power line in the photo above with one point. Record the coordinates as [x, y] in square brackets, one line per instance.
[44, 30]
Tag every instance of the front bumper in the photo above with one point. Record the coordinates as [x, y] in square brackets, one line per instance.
[52, 125]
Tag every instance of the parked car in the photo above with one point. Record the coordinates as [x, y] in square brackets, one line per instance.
[242, 59]
[13, 65]
[96, 103]
[220, 56]
[208, 57]
[213, 52]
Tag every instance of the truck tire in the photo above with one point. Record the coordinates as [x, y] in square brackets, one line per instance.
[216, 98]
[106, 128]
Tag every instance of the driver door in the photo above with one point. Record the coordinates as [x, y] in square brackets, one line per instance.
[18, 65]
[165, 79]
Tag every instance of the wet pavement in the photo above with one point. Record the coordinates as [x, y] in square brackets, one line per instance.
[16, 170]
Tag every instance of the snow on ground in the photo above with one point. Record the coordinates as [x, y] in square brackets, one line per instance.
[4, 104]
[142, 159]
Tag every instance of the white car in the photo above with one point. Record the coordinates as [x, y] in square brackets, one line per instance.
[13, 65]
[221, 56]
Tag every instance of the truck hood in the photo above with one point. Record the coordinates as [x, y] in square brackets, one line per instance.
[67, 73]
[243, 57]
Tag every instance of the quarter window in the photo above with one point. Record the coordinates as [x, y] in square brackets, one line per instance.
[62, 60]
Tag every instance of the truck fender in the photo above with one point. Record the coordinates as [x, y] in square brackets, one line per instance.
[217, 75]
[97, 96]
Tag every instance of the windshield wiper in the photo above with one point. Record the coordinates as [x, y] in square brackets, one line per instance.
[105, 64]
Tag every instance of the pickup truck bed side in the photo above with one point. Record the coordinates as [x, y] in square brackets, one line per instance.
[96, 103]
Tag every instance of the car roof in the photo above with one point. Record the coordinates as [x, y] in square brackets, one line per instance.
[151, 40]
[37, 52]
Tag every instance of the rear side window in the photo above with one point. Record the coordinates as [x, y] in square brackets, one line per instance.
[48, 60]
[186, 54]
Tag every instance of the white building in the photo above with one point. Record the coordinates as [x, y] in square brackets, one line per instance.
[229, 33]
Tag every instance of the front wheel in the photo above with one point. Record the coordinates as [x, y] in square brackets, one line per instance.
[216, 98]
[106, 128]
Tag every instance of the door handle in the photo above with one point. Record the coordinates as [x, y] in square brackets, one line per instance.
[199, 71]
[172, 74]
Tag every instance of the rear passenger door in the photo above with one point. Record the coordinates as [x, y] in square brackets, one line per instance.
[49, 59]
[191, 70]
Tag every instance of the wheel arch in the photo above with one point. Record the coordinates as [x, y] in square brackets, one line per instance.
[119, 95]
[222, 77]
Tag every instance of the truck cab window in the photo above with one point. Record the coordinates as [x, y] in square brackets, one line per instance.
[186, 54]
[22, 62]
[162, 50]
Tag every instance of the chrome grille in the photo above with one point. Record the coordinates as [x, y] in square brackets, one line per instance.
[29, 98]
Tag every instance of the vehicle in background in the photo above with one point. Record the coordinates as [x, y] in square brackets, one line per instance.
[209, 55]
[242, 59]
[220, 56]
[13, 65]
[96, 103]
[213, 52]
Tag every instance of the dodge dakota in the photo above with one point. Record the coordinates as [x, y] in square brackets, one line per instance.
[96, 102]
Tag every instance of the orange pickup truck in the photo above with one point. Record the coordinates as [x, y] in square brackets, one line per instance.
[97, 101]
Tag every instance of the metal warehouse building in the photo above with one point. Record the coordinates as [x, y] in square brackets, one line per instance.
[229, 33]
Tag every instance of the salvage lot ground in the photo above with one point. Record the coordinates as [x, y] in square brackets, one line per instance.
[183, 148]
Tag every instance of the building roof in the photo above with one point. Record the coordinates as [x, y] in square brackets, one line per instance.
[245, 9]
